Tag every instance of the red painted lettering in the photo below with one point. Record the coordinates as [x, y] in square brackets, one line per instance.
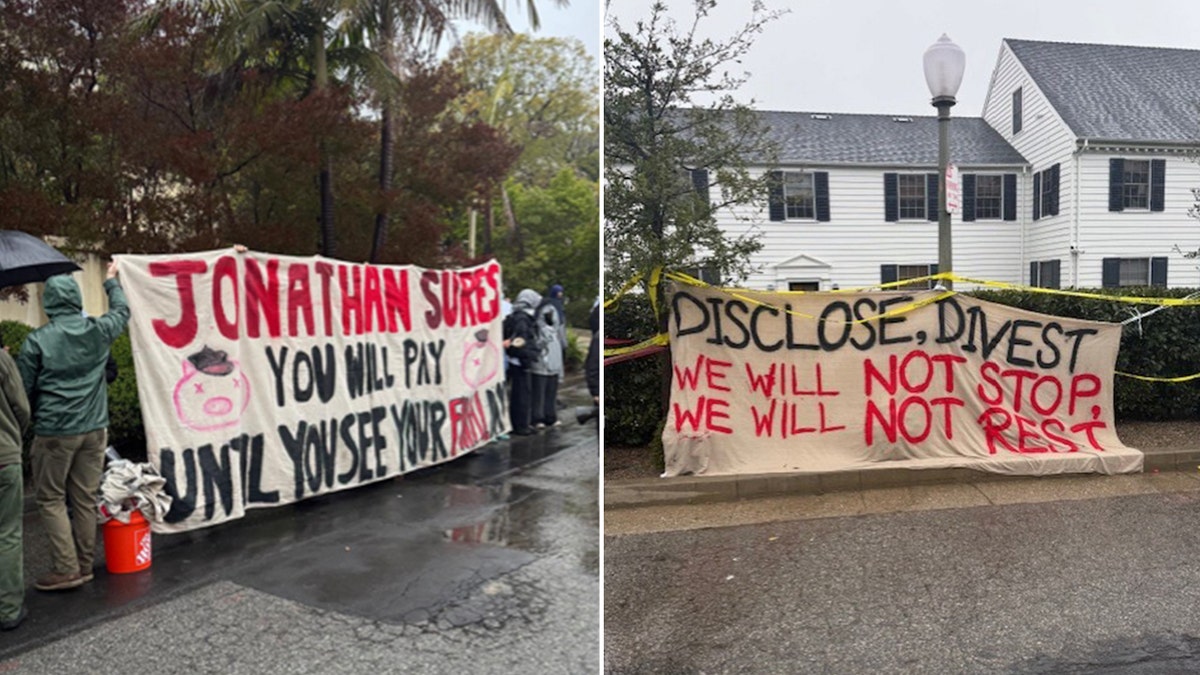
[183, 332]
[395, 293]
[262, 297]
[325, 271]
[225, 269]
[299, 301]
[352, 299]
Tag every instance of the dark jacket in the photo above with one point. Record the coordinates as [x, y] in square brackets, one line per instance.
[520, 324]
[591, 363]
[14, 411]
[63, 363]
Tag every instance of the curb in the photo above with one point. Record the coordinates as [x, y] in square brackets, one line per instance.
[632, 493]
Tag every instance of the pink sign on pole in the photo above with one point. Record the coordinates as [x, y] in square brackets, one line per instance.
[953, 189]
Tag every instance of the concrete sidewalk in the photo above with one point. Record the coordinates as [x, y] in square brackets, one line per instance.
[682, 490]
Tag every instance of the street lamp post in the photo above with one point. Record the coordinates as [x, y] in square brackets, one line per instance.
[944, 65]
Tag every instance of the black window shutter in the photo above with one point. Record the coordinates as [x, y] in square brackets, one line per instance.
[888, 273]
[821, 187]
[1158, 181]
[931, 198]
[1037, 195]
[1110, 272]
[1053, 198]
[1016, 111]
[1033, 274]
[968, 197]
[1158, 271]
[891, 198]
[775, 196]
[1116, 180]
[700, 183]
[1055, 274]
[1010, 196]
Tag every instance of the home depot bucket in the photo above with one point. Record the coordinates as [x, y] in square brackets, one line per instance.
[127, 545]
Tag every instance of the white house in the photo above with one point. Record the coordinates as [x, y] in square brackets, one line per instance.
[1079, 174]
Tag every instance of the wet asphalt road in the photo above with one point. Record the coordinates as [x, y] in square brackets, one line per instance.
[487, 564]
[1092, 586]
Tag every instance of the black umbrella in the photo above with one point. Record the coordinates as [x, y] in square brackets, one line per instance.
[26, 259]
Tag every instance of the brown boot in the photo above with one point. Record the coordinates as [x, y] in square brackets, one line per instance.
[58, 582]
[86, 574]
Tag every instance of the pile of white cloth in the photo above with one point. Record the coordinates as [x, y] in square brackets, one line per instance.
[127, 487]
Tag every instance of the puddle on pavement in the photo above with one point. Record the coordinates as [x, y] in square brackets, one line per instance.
[402, 551]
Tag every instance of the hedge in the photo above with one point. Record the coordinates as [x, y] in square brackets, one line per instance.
[1166, 345]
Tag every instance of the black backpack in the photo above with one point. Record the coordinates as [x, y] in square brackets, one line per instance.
[520, 325]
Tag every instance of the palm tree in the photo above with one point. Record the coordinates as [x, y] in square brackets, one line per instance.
[383, 24]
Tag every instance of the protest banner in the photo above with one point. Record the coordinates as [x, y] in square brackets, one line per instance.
[269, 379]
[785, 382]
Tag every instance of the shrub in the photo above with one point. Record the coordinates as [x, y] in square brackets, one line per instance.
[126, 432]
[633, 389]
[573, 355]
[12, 335]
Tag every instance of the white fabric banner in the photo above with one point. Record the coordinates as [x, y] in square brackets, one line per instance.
[268, 379]
[787, 382]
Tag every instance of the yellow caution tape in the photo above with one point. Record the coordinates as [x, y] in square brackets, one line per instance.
[1173, 380]
[624, 289]
[655, 277]
[740, 293]
[1131, 299]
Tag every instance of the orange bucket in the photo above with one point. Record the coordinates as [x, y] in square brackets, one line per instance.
[127, 545]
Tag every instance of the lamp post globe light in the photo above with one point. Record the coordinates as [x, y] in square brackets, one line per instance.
[944, 65]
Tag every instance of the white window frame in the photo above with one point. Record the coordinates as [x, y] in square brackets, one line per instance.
[812, 196]
[900, 180]
[999, 205]
[1125, 184]
[1145, 281]
[1042, 269]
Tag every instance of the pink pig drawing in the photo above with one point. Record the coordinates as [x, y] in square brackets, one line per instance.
[213, 392]
[481, 360]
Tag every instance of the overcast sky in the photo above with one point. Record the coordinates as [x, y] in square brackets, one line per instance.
[864, 56]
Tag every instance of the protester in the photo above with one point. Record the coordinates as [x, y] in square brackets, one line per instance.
[547, 369]
[591, 363]
[555, 297]
[506, 307]
[520, 342]
[14, 419]
[62, 365]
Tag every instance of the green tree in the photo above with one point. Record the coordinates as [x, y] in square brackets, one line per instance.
[658, 137]
[542, 93]
[394, 30]
[664, 153]
[561, 224]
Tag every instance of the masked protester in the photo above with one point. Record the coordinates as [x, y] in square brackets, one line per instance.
[520, 342]
[547, 370]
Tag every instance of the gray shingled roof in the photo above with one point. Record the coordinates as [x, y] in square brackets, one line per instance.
[879, 139]
[1114, 92]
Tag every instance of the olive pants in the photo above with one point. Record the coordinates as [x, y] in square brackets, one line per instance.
[12, 572]
[69, 467]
